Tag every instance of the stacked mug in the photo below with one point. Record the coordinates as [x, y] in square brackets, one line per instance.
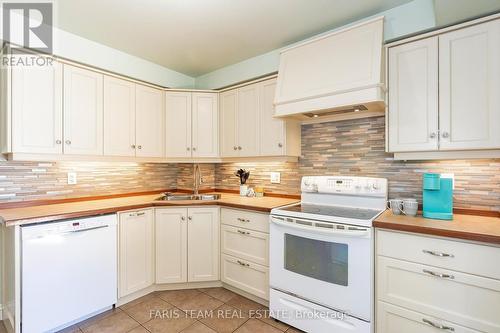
[407, 206]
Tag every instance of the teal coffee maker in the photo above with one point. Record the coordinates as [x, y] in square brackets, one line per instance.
[438, 196]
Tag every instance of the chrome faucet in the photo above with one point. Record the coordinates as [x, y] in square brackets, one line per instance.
[197, 178]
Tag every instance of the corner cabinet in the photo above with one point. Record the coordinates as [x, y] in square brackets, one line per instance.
[248, 127]
[136, 251]
[443, 91]
[191, 124]
[187, 244]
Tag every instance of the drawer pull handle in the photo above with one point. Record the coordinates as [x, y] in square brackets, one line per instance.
[438, 254]
[443, 276]
[243, 232]
[242, 263]
[141, 213]
[243, 220]
[441, 327]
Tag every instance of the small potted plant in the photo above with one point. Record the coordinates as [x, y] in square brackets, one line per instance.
[243, 175]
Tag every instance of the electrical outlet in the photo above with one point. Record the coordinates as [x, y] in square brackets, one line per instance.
[71, 178]
[275, 177]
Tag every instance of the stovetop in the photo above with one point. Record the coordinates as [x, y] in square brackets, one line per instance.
[333, 211]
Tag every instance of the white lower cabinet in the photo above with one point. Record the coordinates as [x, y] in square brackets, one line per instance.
[418, 278]
[245, 251]
[395, 319]
[171, 245]
[187, 244]
[136, 251]
[245, 275]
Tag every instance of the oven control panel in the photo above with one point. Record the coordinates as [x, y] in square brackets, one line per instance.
[344, 185]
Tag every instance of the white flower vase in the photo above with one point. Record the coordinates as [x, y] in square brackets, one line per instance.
[243, 190]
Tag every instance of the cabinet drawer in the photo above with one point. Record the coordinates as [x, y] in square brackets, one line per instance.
[393, 319]
[249, 277]
[245, 219]
[464, 257]
[246, 244]
[465, 299]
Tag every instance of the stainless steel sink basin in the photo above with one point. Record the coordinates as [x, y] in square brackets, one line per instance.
[179, 197]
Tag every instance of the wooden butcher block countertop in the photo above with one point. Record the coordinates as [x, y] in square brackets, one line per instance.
[469, 227]
[60, 211]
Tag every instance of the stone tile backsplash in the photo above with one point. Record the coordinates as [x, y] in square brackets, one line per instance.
[351, 147]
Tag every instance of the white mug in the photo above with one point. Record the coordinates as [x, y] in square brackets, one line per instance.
[396, 205]
[410, 207]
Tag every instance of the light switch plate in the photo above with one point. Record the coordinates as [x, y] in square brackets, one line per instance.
[71, 178]
[275, 177]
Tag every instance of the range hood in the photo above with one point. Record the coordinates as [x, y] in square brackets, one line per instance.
[338, 75]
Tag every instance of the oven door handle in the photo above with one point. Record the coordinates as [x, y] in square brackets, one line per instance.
[359, 232]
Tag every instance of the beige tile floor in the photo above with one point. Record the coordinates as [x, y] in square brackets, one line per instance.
[207, 310]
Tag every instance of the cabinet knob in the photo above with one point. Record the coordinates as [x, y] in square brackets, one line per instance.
[132, 146]
[280, 145]
[239, 147]
[58, 142]
[194, 148]
[68, 142]
[446, 134]
[235, 148]
[190, 218]
[139, 147]
[183, 218]
[188, 149]
[432, 135]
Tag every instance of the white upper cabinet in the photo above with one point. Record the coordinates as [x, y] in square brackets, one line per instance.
[149, 120]
[178, 124]
[37, 109]
[228, 123]
[83, 111]
[443, 94]
[469, 87]
[413, 96]
[119, 117]
[248, 125]
[272, 130]
[192, 124]
[248, 121]
[205, 130]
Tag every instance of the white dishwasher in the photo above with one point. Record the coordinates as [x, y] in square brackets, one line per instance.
[69, 272]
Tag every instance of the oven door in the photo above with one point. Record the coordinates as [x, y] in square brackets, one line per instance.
[323, 263]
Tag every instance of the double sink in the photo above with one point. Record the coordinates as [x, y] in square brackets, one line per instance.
[179, 197]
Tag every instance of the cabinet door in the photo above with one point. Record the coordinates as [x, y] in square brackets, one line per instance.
[248, 120]
[205, 125]
[203, 244]
[119, 117]
[149, 122]
[178, 124]
[272, 130]
[171, 245]
[228, 123]
[136, 251]
[83, 111]
[37, 109]
[413, 96]
[469, 86]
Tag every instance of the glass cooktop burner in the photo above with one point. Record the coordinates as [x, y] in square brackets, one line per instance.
[334, 211]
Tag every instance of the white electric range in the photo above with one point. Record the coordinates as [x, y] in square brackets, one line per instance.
[322, 252]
